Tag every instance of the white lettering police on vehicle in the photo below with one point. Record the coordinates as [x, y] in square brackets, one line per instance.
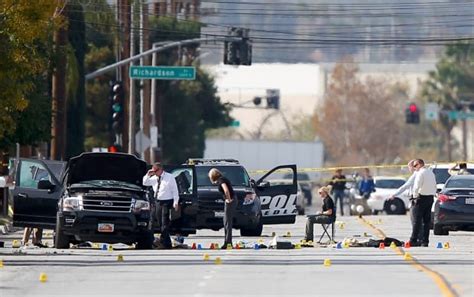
[278, 205]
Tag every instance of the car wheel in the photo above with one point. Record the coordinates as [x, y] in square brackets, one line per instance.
[395, 207]
[61, 241]
[255, 231]
[145, 241]
[439, 230]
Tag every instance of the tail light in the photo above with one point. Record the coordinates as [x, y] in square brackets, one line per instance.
[445, 198]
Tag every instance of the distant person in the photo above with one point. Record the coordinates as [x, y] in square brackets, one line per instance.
[408, 186]
[230, 205]
[338, 183]
[461, 170]
[326, 216]
[367, 185]
[166, 196]
[424, 189]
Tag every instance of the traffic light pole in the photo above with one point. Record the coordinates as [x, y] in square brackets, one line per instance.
[164, 46]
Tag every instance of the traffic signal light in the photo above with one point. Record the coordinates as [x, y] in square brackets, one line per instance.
[117, 95]
[238, 52]
[412, 114]
[114, 148]
[273, 98]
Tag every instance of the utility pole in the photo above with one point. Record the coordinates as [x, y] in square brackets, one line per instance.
[145, 84]
[58, 108]
[124, 17]
[131, 103]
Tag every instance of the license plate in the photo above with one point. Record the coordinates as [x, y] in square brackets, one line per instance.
[219, 214]
[106, 228]
[469, 201]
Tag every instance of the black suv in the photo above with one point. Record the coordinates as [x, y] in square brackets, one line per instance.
[258, 202]
[94, 197]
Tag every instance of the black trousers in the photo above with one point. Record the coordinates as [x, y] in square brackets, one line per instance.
[229, 210]
[315, 219]
[422, 218]
[163, 215]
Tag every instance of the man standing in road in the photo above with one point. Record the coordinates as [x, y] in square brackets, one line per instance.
[408, 186]
[367, 185]
[166, 196]
[338, 183]
[424, 189]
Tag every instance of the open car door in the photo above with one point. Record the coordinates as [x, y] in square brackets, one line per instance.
[279, 199]
[181, 221]
[33, 207]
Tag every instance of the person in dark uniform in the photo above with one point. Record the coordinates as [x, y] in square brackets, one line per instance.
[327, 216]
[338, 183]
[225, 187]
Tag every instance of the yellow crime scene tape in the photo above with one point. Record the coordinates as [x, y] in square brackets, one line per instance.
[334, 168]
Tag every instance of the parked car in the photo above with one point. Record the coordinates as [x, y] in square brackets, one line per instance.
[454, 206]
[305, 184]
[385, 187]
[300, 195]
[94, 197]
[441, 172]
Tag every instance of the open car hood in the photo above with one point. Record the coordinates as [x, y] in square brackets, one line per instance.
[106, 166]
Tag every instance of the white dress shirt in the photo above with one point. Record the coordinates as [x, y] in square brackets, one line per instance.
[168, 188]
[425, 183]
[408, 185]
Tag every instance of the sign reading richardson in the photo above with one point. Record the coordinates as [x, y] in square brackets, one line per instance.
[163, 72]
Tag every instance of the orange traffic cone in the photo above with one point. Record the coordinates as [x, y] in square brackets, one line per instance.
[194, 246]
[382, 246]
[407, 245]
[212, 246]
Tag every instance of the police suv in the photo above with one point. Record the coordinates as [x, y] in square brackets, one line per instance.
[259, 202]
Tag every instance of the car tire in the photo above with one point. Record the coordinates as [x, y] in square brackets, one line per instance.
[145, 241]
[439, 230]
[61, 241]
[255, 231]
[395, 207]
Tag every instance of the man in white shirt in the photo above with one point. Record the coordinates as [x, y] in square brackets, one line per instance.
[424, 189]
[166, 196]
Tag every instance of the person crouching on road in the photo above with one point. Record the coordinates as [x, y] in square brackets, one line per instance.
[230, 205]
[166, 196]
[327, 216]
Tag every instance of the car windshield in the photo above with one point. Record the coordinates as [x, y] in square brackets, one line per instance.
[441, 175]
[389, 183]
[236, 175]
[460, 183]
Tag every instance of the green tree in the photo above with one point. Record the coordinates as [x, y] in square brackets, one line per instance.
[25, 28]
[450, 83]
[100, 34]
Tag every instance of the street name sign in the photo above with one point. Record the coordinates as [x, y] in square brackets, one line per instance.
[163, 72]
[460, 115]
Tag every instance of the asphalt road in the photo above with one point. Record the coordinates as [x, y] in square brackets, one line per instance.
[354, 271]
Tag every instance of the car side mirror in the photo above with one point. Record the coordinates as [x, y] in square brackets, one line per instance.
[45, 185]
[252, 182]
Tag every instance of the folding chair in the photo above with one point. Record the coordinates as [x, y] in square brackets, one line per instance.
[326, 232]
